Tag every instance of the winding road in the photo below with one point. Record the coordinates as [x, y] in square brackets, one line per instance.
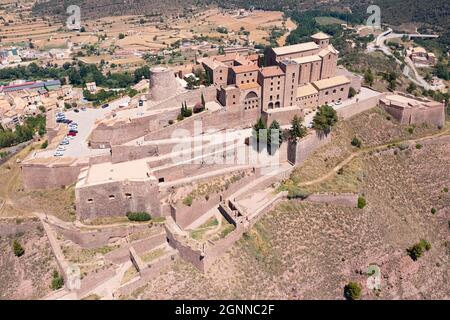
[409, 71]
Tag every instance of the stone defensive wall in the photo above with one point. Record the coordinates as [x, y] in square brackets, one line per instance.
[115, 132]
[125, 129]
[340, 199]
[98, 237]
[282, 115]
[299, 150]
[122, 255]
[203, 255]
[210, 121]
[116, 198]
[185, 215]
[48, 173]
[360, 106]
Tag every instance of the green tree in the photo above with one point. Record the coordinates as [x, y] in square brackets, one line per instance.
[418, 249]
[368, 77]
[259, 131]
[298, 130]
[411, 87]
[356, 142]
[361, 202]
[57, 281]
[351, 92]
[352, 291]
[325, 118]
[18, 249]
[274, 129]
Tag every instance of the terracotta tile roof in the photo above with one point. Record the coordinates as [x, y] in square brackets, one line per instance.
[320, 36]
[245, 68]
[306, 90]
[331, 82]
[246, 86]
[272, 71]
[307, 59]
[300, 47]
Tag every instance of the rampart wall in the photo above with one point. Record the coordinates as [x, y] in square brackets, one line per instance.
[358, 107]
[300, 150]
[116, 198]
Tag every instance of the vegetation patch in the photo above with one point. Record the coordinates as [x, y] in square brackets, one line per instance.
[139, 216]
[418, 249]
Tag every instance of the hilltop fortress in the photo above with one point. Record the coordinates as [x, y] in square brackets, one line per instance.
[146, 158]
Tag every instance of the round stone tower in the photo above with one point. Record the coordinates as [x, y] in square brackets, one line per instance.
[162, 83]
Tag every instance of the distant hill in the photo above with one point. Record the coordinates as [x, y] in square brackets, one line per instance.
[435, 12]
[102, 8]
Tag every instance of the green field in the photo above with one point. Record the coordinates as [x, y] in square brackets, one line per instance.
[328, 20]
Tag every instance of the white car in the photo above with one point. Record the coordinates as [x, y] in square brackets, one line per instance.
[339, 102]
[70, 137]
[61, 148]
[58, 154]
[64, 142]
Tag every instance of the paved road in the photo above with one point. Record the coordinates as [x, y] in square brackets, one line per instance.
[409, 69]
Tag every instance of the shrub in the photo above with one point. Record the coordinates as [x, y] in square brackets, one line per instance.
[433, 210]
[188, 201]
[417, 250]
[198, 108]
[57, 281]
[445, 189]
[351, 92]
[138, 216]
[44, 145]
[352, 291]
[361, 202]
[356, 142]
[418, 146]
[18, 249]
[296, 193]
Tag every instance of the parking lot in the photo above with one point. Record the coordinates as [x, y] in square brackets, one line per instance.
[78, 147]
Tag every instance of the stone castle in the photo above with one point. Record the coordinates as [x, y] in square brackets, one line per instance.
[294, 78]
[127, 160]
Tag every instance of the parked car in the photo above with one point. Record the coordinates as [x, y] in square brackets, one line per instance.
[71, 133]
[61, 148]
[339, 102]
[64, 142]
[105, 106]
[83, 108]
[76, 110]
[58, 154]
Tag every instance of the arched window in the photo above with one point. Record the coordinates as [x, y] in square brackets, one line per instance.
[277, 104]
[271, 105]
[251, 95]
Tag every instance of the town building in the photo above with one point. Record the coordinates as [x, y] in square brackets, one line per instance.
[420, 56]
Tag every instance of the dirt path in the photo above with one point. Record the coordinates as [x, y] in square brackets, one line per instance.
[357, 153]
